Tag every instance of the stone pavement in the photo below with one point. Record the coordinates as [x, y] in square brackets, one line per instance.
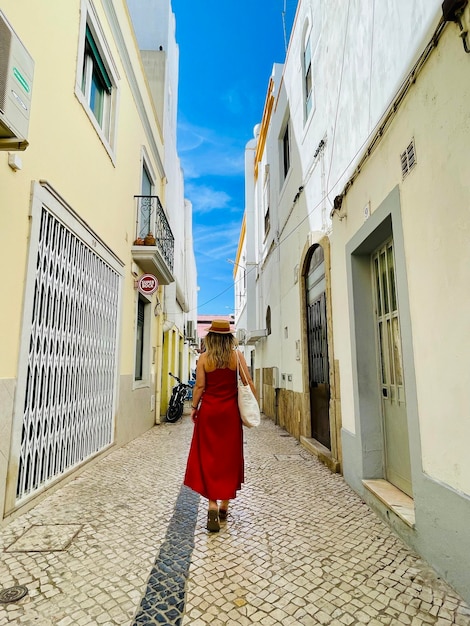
[125, 543]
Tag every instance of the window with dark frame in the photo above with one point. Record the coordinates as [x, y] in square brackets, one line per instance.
[267, 202]
[96, 83]
[268, 320]
[139, 341]
[308, 82]
[146, 208]
[286, 151]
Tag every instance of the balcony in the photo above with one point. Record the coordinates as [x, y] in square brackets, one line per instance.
[153, 248]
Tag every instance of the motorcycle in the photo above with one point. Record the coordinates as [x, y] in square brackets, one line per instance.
[189, 393]
[178, 396]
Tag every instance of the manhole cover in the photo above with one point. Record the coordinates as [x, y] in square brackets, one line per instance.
[12, 594]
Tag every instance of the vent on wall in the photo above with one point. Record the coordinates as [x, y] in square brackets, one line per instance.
[16, 82]
[408, 159]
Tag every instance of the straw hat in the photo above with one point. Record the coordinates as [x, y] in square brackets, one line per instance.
[221, 327]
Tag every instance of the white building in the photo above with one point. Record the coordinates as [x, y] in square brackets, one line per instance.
[360, 234]
[155, 26]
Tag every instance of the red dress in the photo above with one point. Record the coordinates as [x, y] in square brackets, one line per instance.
[215, 467]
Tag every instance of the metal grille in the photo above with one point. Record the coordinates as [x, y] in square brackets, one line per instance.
[408, 159]
[151, 219]
[388, 325]
[316, 319]
[70, 388]
[317, 341]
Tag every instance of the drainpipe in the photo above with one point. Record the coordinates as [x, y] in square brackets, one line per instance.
[276, 408]
[158, 354]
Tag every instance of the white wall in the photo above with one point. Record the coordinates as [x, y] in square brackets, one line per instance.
[151, 35]
[360, 55]
[357, 67]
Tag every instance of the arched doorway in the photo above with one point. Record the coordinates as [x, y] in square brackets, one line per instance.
[317, 339]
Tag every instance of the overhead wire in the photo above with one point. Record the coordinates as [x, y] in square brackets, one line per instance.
[284, 25]
[338, 100]
[277, 245]
[373, 134]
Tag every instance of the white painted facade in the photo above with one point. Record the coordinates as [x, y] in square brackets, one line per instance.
[345, 146]
[155, 26]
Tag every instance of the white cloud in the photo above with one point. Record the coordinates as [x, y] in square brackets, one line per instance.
[217, 242]
[205, 199]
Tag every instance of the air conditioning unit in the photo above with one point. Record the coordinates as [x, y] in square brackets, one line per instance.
[16, 83]
[190, 330]
[241, 335]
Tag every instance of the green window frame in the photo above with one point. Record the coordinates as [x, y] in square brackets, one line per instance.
[96, 83]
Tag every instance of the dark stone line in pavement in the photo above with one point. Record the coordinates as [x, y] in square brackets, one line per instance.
[163, 601]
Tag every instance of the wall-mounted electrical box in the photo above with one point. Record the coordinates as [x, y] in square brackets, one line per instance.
[16, 84]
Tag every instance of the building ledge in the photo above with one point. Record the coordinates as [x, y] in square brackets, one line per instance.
[317, 449]
[150, 259]
[394, 499]
[255, 335]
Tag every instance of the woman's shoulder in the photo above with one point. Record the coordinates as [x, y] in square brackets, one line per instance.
[233, 359]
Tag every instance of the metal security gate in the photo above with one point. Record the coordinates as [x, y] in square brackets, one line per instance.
[319, 377]
[70, 368]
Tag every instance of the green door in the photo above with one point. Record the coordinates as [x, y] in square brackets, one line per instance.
[395, 426]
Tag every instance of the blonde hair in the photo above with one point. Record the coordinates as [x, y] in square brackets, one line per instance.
[219, 349]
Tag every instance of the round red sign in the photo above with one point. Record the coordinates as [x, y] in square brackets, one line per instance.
[147, 284]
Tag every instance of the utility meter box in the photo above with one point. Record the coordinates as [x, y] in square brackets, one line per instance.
[16, 84]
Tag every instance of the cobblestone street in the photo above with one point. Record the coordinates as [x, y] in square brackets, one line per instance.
[125, 543]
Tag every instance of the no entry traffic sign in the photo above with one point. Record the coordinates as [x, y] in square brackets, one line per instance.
[147, 284]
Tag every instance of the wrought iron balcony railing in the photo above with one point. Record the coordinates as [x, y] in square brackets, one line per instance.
[152, 228]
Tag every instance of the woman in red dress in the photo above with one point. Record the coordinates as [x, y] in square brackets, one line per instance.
[215, 467]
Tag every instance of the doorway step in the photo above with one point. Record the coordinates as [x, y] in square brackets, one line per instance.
[394, 499]
[316, 448]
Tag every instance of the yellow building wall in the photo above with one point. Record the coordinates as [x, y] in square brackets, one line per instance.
[434, 199]
[66, 151]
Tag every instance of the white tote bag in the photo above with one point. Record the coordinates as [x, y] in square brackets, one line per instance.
[247, 403]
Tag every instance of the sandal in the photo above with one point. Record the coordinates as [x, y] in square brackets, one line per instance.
[213, 525]
[223, 514]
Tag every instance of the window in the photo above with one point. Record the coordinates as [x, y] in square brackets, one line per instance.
[146, 212]
[96, 86]
[96, 83]
[266, 201]
[268, 320]
[285, 151]
[142, 341]
[139, 342]
[308, 82]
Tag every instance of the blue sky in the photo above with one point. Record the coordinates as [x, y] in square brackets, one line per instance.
[227, 50]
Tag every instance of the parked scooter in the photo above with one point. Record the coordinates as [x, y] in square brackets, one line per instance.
[178, 396]
[189, 393]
